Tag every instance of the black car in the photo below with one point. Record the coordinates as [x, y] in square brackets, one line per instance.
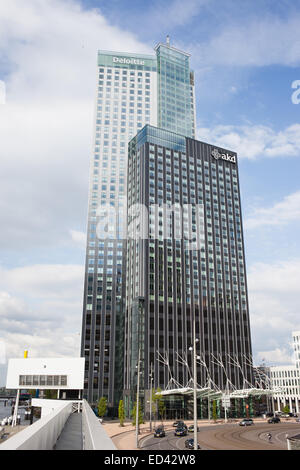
[159, 432]
[273, 420]
[180, 431]
[191, 428]
[189, 444]
[178, 423]
[246, 422]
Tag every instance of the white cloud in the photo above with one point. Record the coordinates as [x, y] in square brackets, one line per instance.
[274, 301]
[254, 141]
[50, 51]
[59, 281]
[264, 41]
[78, 237]
[40, 310]
[278, 356]
[175, 13]
[281, 213]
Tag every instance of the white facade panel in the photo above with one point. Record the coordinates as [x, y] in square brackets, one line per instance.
[72, 368]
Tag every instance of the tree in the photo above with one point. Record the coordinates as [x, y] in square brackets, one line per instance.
[286, 409]
[121, 413]
[102, 406]
[160, 404]
[133, 414]
[214, 410]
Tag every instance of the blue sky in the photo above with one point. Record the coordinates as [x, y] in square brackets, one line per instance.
[245, 56]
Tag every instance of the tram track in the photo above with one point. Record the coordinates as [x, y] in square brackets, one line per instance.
[230, 437]
[167, 443]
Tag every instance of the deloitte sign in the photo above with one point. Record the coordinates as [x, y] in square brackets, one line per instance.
[125, 60]
[223, 156]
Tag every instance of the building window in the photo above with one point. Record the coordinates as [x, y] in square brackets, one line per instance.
[43, 380]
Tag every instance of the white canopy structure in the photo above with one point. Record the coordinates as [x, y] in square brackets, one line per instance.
[210, 390]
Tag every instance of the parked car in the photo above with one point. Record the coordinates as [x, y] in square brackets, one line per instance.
[191, 428]
[274, 420]
[159, 432]
[189, 444]
[180, 431]
[246, 422]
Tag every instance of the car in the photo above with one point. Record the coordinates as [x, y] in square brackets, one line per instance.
[189, 444]
[273, 420]
[178, 423]
[246, 422]
[180, 432]
[191, 428]
[159, 432]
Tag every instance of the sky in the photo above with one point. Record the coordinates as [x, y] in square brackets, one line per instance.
[246, 58]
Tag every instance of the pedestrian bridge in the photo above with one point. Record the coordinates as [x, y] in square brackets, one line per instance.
[64, 425]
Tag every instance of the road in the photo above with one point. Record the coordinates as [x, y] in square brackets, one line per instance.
[229, 437]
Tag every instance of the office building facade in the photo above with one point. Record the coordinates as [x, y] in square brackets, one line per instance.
[287, 378]
[132, 90]
[296, 347]
[185, 264]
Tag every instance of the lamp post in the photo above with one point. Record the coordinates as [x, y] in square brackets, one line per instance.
[193, 348]
[137, 404]
[15, 414]
[151, 380]
[208, 401]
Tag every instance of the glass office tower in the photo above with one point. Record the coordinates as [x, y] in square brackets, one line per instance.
[185, 264]
[127, 98]
[176, 104]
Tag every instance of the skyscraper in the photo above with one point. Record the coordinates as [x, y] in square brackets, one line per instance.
[132, 90]
[185, 263]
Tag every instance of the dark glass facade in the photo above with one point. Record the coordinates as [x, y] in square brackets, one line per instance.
[128, 97]
[185, 262]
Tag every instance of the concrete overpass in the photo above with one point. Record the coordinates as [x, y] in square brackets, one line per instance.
[64, 425]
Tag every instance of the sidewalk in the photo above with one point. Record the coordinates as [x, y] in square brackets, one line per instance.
[124, 437]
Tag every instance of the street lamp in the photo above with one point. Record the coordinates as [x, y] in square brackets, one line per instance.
[193, 348]
[151, 380]
[137, 403]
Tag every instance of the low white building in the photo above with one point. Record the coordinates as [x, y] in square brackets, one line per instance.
[61, 374]
[288, 378]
